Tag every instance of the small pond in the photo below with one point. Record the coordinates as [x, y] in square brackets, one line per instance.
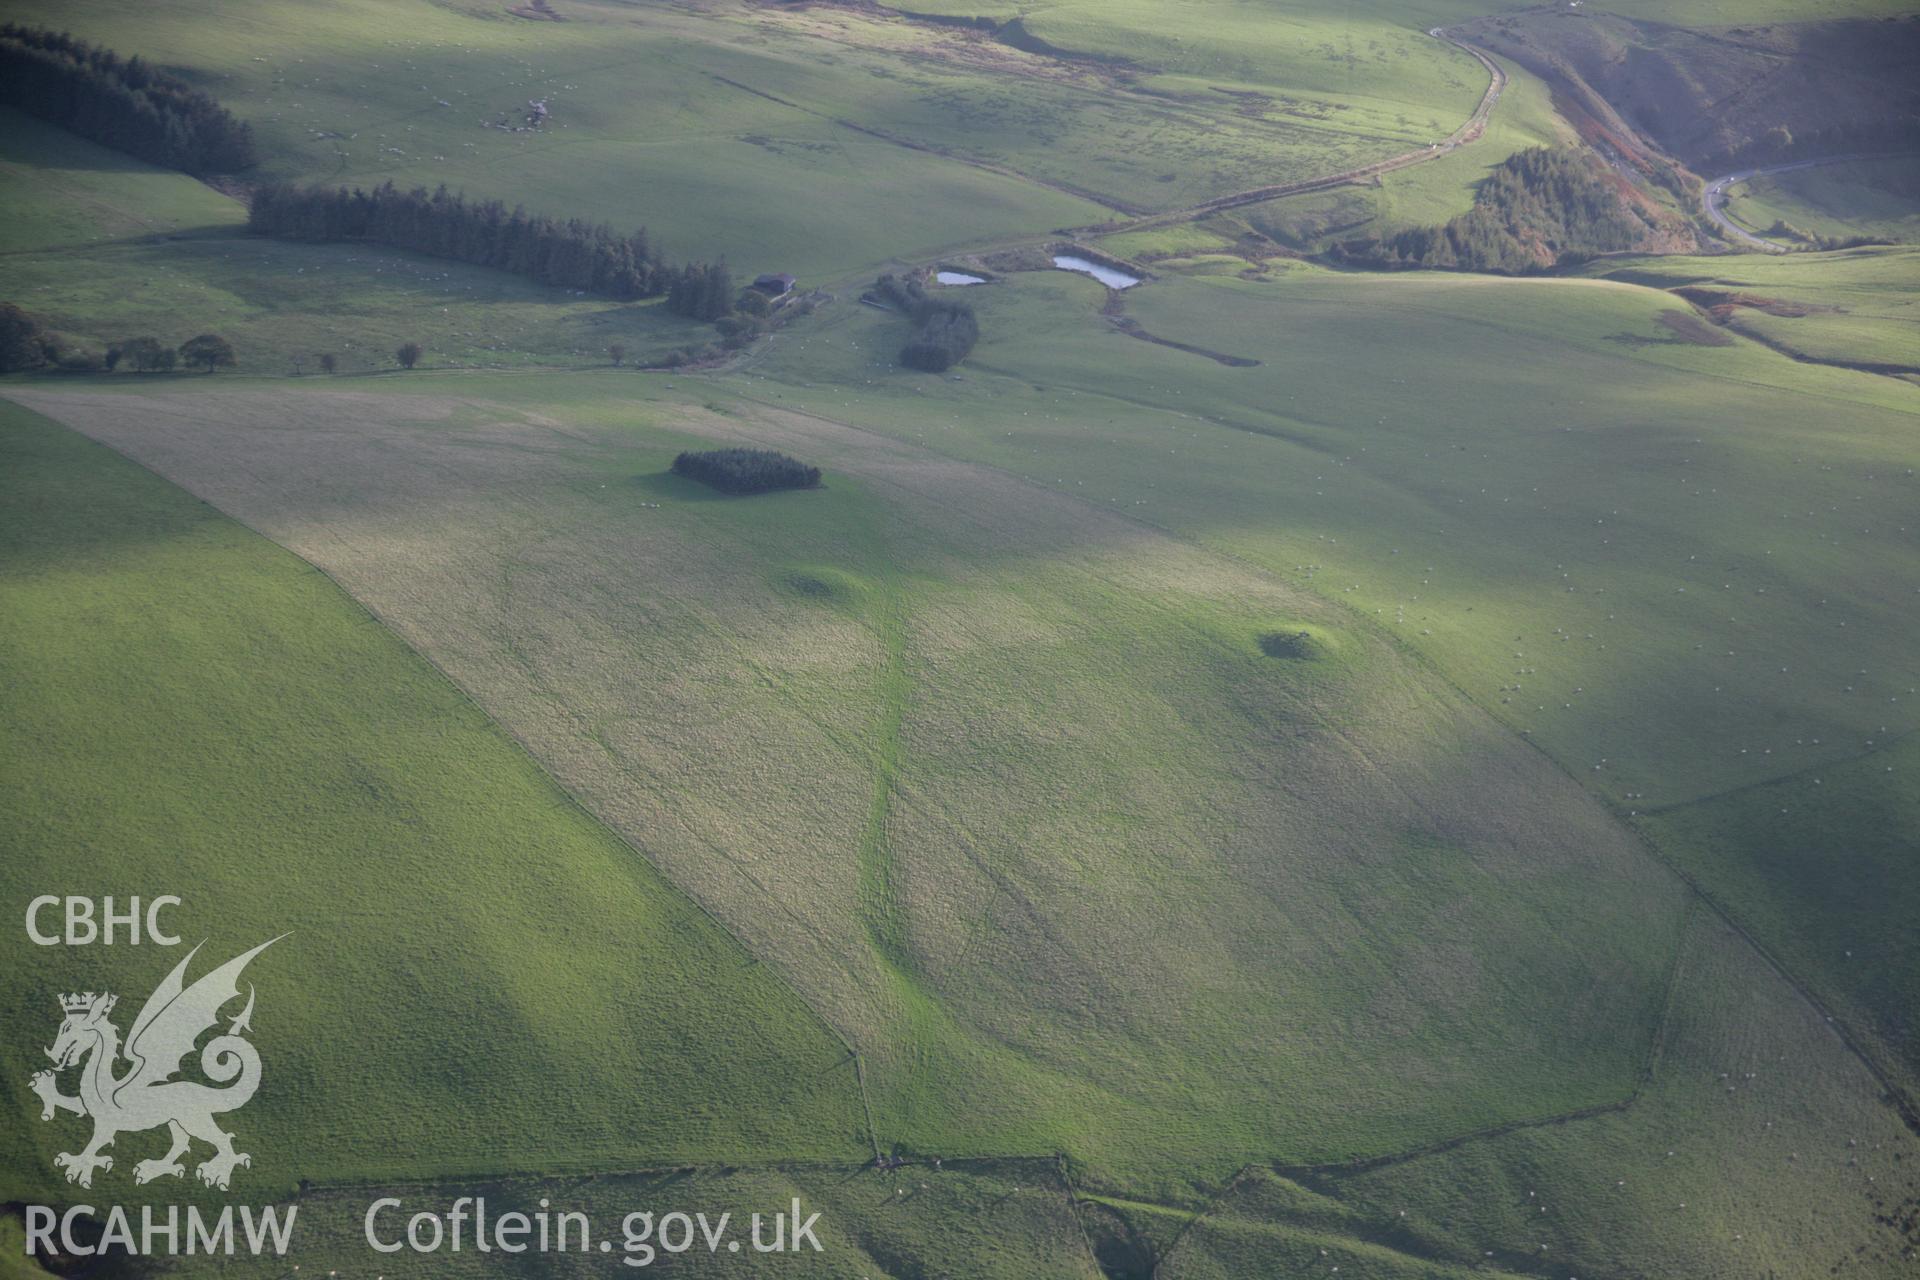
[1106, 275]
[958, 277]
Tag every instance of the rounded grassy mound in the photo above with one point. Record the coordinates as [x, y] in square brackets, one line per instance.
[823, 585]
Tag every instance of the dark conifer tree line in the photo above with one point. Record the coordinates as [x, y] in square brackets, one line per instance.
[573, 254]
[701, 291]
[120, 102]
[945, 329]
[746, 470]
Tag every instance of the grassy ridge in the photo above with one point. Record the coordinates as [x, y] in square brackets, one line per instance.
[817, 140]
[211, 718]
[1425, 194]
[1857, 304]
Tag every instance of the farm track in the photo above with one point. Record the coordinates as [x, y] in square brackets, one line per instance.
[1468, 132]
[1139, 218]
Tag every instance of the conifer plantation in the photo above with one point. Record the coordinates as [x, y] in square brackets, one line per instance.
[1538, 210]
[121, 103]
[573, 254]
[744, 471]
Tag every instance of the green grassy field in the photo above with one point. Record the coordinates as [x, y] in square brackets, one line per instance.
[59, 192]
[646, 128]
[1861, 306]
[1877, 198]
[1002, 757]
[102, 248]
[1664, 641]
[871, 137]
[886, 717]
[1423, 195]
[1757, 1146]
[212, 718]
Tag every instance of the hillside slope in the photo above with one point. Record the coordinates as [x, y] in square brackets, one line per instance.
[1059, 902]
[200, 713]
[1712, 97]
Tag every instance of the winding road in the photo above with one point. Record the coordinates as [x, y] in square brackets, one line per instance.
[1714, 199]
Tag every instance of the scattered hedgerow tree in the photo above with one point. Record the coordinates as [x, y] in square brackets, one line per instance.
[945, 337]
[146, 355]
[329, 362]
[946, 328]
[617, 352]
[409, 354]
[23, 343]
[207, 352]
[746, 470]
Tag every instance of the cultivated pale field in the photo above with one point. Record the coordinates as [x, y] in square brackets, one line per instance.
[1059, 902]
[201, 713]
